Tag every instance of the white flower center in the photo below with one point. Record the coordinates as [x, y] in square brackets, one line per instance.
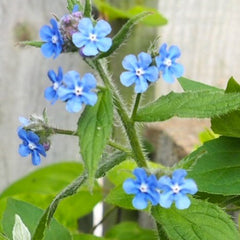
[31, 145]
[139, 72]
[54, 39]
[55, 86]
[143, 188]
[176, 188]
[167, 62]
[93, 37]
[78, 91]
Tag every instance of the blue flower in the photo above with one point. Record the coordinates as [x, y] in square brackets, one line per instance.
[53, 39]
[92, 39]
[31, 146]
[144, 187]
[139, 71]
[51, 92]
[76, 91]
[175, 190]
[167, 65]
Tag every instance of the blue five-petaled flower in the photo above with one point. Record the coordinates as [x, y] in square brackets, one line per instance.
[53, 39]
[144, 187]
[92, 39]
[31, 145]
[76, 91]
[166, 63]
[51, 92]
[139, 71]
[175, 189]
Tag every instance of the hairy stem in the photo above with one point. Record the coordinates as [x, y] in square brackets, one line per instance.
[127, 122]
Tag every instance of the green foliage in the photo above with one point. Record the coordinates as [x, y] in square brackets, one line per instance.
[86, 237]
[129, 231]
[94, 129]
[37, 44]
[190, 104]
[112, 13]
[201, 221]
[88, 8]
[228, 124]
[217, 171]
[30, 216]
[190, 85]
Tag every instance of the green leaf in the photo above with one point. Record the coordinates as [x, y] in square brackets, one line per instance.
[46, 218]
[30, 216]
[217, 171]
[155, 19]
[119, 198]
[94, 130]
[37, 44]
[191, 104]
[112, 13]
[130, 231]
[122, 34]
[41, 186]
[190, 85]
[83, 236]
[3, 237]
[88, 8]
[202, 221]
[113, 160]
[46, 180]
[228, 124]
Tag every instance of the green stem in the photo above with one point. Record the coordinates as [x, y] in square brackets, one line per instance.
[118, 147]
[136, 105]
[63, 131]
[127, 122]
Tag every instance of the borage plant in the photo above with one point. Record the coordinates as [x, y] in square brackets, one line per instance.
[191, 200]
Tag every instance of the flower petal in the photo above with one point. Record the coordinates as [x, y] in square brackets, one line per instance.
[140, 201]
[65, 93]
[52, 76]
[165, 183]
[177, 69]
[189, 186]
[174, 52]
[144, 60]
[178, 176]
[89, 98]
[74, 104]
[168, 76]
[166, 199]
[141, 85]
[182, 201]
[102, 28]
[130, 186]
[36, 160]
[33, 137]
[24, 150]
[79, 39]
[22, 134]
[163, 50]
[89, 81]
[85, 26]
[151, 74]
[104, 44]
[47, 49]
[46, 33]
[141, 174]
[90, 49]
[50, 94]
[128, 78]
[130, 62]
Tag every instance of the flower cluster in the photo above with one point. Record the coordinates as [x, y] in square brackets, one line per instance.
[74, 32]
[72, 89]
[164, 191]
[142, 71]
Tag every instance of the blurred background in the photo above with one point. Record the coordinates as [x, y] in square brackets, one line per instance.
[207, 32]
